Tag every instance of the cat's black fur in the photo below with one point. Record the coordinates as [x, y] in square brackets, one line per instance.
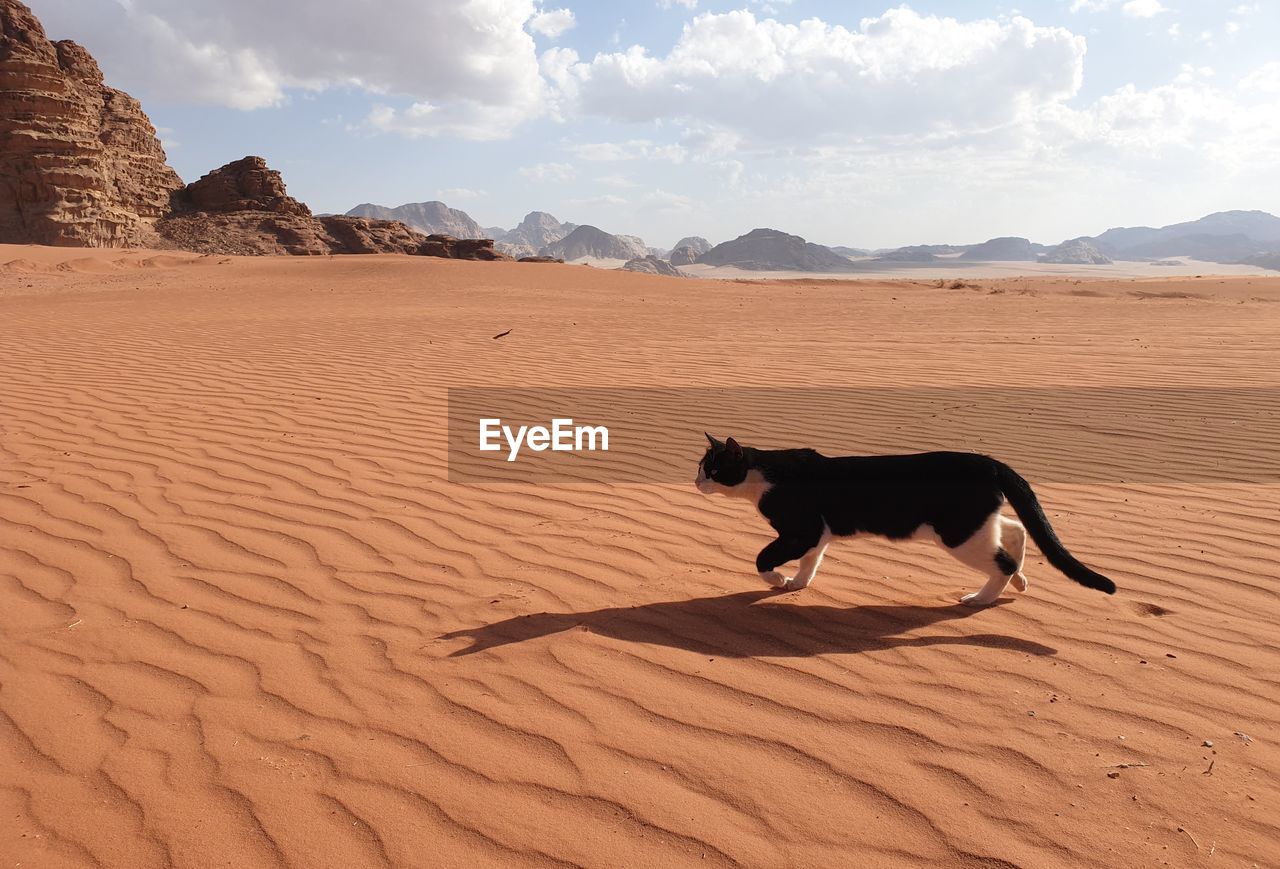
[891, 496]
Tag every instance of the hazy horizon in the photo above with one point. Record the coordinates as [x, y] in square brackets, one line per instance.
[859, 124]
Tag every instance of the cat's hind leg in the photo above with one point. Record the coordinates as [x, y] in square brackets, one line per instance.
[983, 552]
[1013, 539]
[809, 563]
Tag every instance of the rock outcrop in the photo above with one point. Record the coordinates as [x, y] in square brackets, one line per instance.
[1006, 249]
[912, 254]
[652, 265]
[536, 231]
[243, 208]
[80, 161]
[684, 255]
[775, 251]
[697, 242]
[1075, 252]
[427, 217]
[688, 249]
[460, 248]
[590, 242]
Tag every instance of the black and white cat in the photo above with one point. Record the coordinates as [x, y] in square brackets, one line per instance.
[951, 498]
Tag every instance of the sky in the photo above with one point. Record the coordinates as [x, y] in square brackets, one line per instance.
[848, 123]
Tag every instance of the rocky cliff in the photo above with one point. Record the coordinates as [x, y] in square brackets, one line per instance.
[427, 217]
[536, 231]
[243, 208]
[591, 242]
[80, 164]
[652, 265]
[1004, 249]
[772, 250]
[1075, 252]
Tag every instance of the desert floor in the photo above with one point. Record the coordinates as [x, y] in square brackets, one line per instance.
[246, 620]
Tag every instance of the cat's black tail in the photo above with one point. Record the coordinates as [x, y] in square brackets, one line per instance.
[1025, 504]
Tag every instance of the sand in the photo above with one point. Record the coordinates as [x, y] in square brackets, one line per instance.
[245, 619]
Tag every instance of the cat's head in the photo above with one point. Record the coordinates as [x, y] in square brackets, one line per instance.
[723, 466]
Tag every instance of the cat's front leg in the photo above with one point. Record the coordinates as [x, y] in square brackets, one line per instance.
[778, 553]
[775, 579]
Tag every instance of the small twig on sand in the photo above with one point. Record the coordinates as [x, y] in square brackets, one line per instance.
[501, 335]
[1189, 836]
[1209, 771]
[1135, 764]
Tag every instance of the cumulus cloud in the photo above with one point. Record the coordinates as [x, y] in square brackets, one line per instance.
[1265, 79]
[557, 172]
[553, 22]
[466, 68]
[1143, 8]
[902, 73]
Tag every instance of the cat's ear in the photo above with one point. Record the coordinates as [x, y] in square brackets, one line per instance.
[715, 444]
[735, 449]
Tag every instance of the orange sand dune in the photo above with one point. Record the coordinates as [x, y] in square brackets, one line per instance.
[245, 619]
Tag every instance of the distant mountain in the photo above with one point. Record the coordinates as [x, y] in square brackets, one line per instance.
[850, 251]
[428, 217]
[1006, 249]
[916, 253]
[652, 265]
[536, 231]
[590, 241]
[697, 242]
[1209, 248]
[1225, 237]
[911, 251]
[1075, 252]
[688, 249]
[773, 250]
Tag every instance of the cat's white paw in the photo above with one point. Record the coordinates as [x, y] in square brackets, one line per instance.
[1019, 582]
[775, 579]
[976, 599]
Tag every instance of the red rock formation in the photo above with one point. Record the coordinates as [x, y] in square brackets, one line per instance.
[461, 248]
[80, 163]
[243, 208]
[244, 185]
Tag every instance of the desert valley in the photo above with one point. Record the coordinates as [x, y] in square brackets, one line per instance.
[251, 615]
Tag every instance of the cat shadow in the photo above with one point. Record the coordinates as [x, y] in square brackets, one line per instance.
[730, 626]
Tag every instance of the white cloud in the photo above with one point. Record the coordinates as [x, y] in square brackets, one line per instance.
[552, 23]
[1265, 79]
[1247, 9]
[604, 199]
[620, 181]
[467, 68]
[666, 202]
[450, 193]
[632, 149]
[687, 4]
[1090, 5]
[902, 73]
[1143, 8]
[556, 172]
[1232, 28]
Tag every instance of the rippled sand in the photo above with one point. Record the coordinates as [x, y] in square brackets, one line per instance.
[246, 620]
